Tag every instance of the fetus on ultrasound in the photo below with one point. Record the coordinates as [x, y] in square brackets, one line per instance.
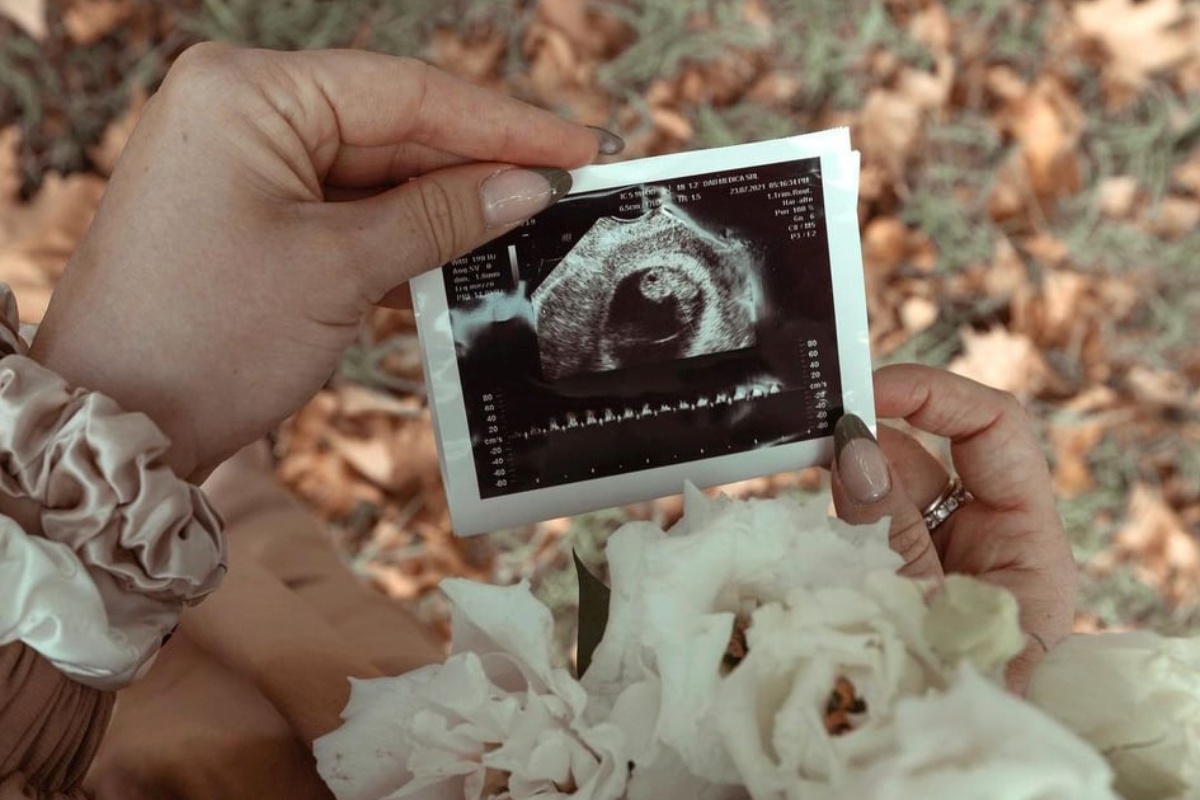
[654, 289]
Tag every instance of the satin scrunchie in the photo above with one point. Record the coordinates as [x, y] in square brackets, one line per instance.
[147, 542]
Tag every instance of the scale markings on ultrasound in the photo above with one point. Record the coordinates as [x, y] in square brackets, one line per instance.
[593, 418]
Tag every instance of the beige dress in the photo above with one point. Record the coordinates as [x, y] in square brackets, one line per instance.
[234, 700]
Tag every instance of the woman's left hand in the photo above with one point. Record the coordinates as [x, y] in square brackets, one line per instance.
[1009, 534]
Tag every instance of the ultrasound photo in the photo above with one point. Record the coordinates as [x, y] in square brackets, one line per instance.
[652, 289]
[646, 325]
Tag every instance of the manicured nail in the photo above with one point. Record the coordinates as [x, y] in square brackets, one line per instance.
[610, 143]
[861, 466]
[515, 195]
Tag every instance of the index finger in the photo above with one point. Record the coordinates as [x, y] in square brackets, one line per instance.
[991, 440]
[379, 100]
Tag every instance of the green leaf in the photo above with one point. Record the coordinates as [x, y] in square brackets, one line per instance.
[593, 614]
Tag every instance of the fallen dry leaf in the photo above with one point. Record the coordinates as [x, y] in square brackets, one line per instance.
[570, 17]
[1047, 249]
[1175, 217]
[672, 124]
[917, 314]
[888, 131]
[1046, 122]
[369, 457]
[1003, 360]
[928, 91]
[1005, 83]
[10, 170]
[1116, 196]
[1058, 313]
[1186, 176]
[931, 27]
[1006, 276]
[1072, 444]
[89, 21]
[474, 58]
[355, 401]
[105, 153]
[1138, 39]
[29, 16]
[327, 483]
[1159, 547]
[38, 237]
[1158, 388]
[885, 245]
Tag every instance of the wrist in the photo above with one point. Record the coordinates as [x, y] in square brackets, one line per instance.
[88, 363]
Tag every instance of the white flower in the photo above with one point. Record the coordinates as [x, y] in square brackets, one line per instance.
[496, 720]
[676, 598]
[978, 741]
[1136, 698]
[814, 697]
[972, 620]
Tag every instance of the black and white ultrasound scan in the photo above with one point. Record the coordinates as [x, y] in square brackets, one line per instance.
[687, 325]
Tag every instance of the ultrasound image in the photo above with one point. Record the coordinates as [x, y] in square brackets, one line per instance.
[651, 289]
[642, 326]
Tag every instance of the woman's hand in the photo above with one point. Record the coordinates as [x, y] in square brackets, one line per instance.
[1010, 534]
[218, 285]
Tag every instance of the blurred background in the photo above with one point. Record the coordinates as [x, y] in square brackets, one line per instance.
[1030, 210]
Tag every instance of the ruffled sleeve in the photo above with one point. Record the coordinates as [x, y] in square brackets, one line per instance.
[96, 470]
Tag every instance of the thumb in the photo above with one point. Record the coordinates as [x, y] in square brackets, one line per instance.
[439, 216]
[865, 489]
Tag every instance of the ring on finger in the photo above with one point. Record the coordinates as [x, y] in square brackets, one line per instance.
[953, 497]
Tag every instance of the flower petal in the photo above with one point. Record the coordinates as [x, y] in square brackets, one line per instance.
[977, 740]
[503, 619]
[367, 757]
[1136, 697]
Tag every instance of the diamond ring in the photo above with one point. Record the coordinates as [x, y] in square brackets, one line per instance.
[951, 499]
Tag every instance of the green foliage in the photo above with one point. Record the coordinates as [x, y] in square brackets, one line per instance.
[1143, 141]
[745, 122]
[279, 24]
[593, 614]
[667, 39]
[387, 26]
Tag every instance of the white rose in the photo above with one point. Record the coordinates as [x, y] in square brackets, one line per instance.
[676, 598]
[815, 694]
[978, 741]
[496, 720]
[972, 620]
[1136, 697]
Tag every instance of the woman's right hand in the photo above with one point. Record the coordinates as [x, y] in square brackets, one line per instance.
[264, 203]
[1009, 534]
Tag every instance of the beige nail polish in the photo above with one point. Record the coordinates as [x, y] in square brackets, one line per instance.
[862, 467]
[610, 144]
[515, 195]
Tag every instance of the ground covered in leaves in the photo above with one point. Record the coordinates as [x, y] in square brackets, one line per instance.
[1030, 214]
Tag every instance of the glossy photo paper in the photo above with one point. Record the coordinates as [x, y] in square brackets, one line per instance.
[698, 316]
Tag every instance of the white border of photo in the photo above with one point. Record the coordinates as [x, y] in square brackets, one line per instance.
[472, 514]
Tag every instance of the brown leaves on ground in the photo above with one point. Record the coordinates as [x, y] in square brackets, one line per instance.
[1159, 546]
[1032, 310]
[28, 15]
[86, 21]
[1134, 40]
[37, 237]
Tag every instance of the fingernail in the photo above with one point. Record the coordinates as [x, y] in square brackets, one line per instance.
[610, 143]
[862, 467]
[515, 195]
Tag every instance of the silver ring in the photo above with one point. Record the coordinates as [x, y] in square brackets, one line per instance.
[952, 498]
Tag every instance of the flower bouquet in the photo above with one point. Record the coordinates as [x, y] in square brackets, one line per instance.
[761, 649]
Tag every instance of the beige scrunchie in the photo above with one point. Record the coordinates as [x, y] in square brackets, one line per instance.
[151, 542]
